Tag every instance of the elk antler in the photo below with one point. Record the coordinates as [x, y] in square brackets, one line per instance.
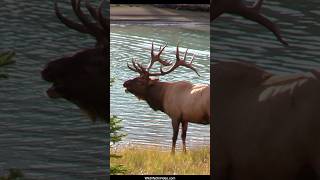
[249, 12]
[97, 29]
[179, 62]
[138, 68]
[156, 57]
[145, 71]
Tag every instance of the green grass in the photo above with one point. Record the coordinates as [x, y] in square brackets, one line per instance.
[140, 160]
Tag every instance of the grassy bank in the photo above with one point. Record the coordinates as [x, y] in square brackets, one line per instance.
[156, 161]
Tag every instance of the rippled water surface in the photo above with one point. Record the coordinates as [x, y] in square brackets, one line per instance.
[143, 125]
[45, 138]
[235, 38]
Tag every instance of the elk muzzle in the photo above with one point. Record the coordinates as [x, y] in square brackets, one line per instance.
[126, 85]
[52, 92]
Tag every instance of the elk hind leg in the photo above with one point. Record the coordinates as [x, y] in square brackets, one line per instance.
[184, 135]
[175, 127]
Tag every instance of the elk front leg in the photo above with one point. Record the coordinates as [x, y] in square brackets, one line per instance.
[184, 135]
[175, 127]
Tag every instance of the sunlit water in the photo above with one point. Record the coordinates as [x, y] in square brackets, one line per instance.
[45, 138]
[235, 38]
[143, 125]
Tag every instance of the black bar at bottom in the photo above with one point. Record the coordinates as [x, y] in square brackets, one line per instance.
[160, 177]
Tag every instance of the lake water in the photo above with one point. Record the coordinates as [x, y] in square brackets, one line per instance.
[235, 38]
[45, 138]
[143, 125]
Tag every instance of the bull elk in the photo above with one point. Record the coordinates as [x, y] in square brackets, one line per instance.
[218, 7]
[182, 101]
[81, 78]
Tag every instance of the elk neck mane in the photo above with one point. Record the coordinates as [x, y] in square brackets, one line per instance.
[158, 90]
[155, 95]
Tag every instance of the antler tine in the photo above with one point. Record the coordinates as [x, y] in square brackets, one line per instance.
[97, 13]
[131, 68]
[134, 68]
[160, 51]
[152, 48]
[185, 55]
[138, 68]
[192, 59]
[67, 22]
[152, 59]
[143, 69]
[177, 53]
[91, 10]
[151, 62]
[82, 17]
[156, 57]
[97, 29]
[102, 19]
[135, 65]
[189, 65]
[178, 63]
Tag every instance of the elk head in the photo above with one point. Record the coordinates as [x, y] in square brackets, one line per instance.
[81, 78]
[218, 7]
[139, 86]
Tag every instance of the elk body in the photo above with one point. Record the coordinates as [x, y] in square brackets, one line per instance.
[182, 101]
[266, 125]
[81, 77]
[218, 7]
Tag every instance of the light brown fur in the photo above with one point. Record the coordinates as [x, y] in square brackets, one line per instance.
[191, 101]
[185, 102]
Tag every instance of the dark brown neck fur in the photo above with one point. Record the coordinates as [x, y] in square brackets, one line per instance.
[155, 96]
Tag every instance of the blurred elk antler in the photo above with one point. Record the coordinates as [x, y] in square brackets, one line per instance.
[97, 29]
[252, 13]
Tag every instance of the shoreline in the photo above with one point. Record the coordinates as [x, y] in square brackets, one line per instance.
[163, 148]
[147, 14]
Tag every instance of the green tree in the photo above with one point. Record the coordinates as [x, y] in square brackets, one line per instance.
[5, 59]
[13, 174]
[116, 136]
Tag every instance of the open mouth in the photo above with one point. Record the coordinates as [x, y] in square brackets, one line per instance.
[53, 93]
[126, 88]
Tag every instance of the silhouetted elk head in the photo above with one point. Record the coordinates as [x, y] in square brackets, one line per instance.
[218, 7]
[81, 78]
[139, 86]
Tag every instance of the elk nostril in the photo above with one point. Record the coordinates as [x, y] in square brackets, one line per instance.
[126, 84]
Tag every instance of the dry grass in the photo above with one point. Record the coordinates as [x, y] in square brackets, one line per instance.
[141, 160]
